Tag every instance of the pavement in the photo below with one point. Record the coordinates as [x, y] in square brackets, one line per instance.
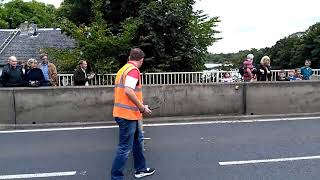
[268, 149]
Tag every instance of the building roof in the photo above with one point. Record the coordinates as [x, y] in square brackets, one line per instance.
[25, 46]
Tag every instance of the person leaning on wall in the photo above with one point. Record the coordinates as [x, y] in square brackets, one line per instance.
[34, 76]
[12, 75]
[264, 69]
[49, 71]
[80, 75]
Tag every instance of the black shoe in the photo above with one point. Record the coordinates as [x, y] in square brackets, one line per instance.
[147, 172]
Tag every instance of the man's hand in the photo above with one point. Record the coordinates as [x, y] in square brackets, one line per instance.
[91, 76]
[146, 111]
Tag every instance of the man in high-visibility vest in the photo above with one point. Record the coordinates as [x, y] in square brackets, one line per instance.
[128, 110]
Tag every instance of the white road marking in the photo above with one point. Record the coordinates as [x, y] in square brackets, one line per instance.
[57, 129]
[162, 124]
[230, 163]
[39, 175]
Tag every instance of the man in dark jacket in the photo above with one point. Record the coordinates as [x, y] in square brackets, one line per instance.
[80, 75]
[12, 76]
[5, 68]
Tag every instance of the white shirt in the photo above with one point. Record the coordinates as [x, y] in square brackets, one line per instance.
[131, 82]
[85, 74]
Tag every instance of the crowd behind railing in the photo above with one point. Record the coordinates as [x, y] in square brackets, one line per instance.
[32, 73]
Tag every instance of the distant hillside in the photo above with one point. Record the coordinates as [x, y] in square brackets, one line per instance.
[289, 52]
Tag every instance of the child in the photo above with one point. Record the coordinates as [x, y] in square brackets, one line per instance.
[292, 76]
[306, 71]
[282, 76]
[297, 74]
[227, 78]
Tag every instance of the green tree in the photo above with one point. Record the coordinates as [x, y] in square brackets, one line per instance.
[77, 11]
[98, 45]
[65, 59]
[3, 22]
[312, 44]
[285, 53]
[19, 11]
[173, 36]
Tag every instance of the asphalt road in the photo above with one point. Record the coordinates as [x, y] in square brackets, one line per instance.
[178, 152]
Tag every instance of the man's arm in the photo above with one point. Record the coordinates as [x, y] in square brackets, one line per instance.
[132, 96]
[4, 77]
[1, 79]
[131, 82]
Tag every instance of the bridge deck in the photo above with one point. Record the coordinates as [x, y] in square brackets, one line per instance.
[205, 151]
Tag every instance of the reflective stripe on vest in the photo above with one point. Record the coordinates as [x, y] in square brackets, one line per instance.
[126, 107]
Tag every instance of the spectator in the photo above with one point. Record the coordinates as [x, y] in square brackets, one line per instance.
[264, 69]
[297, 74]
[12, 76]
[292, 76]
[34, 76]
[49, 71]
[25, 67]
[5, 68]
[306, 71]
[282, 76]
[248, 69]
[7, 65]
[227, 77]
[80, 75]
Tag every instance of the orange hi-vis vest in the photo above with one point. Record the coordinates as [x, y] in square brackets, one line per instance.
[123, 106]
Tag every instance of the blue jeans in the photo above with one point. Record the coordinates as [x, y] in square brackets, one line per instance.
[130, 137]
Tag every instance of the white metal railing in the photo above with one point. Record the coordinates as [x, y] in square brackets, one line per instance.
[170, 77]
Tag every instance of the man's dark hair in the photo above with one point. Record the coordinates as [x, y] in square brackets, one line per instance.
[43, 55]
[136, 54]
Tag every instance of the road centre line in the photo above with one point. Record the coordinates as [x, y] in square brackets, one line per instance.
[230, 163]
[162, 124]
[39, 175]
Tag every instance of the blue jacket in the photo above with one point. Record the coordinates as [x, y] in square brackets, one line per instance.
[306, 72]
[293, 78]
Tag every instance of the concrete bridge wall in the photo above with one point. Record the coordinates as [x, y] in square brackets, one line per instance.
[94, 104]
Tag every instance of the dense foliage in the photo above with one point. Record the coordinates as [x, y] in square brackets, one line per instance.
[17, 11]
[173, 35]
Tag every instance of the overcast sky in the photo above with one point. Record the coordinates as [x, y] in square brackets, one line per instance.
[247, 24]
